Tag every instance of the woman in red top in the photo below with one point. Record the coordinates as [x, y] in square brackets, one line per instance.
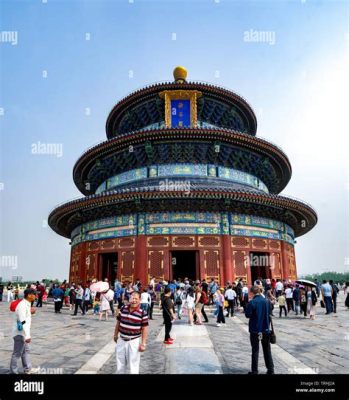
[273, 286]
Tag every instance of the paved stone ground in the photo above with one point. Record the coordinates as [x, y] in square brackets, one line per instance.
[66, 342]
[58, 340]
[321, 345]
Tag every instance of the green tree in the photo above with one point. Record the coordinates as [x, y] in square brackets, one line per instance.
[335, 276]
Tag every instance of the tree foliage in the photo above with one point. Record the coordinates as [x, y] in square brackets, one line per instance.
[335, 276]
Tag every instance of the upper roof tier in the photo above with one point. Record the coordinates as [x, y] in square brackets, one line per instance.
[216, 107]
[220, 147]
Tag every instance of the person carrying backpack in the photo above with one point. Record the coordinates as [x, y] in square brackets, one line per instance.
[178, 301]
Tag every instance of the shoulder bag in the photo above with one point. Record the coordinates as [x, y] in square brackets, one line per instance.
[272, 334]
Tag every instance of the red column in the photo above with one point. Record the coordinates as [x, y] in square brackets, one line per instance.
[228, 272]
[248, 268]
[167, 264]
[70, 264]
[295, 264]
[284, 259]
[82, 263]
[141, 267]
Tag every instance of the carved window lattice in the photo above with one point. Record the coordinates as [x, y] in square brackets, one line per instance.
[183, 241]
[91, 269]
[212, 262]
[259, 243]
[74, 271]
[239, 263]
[292, 266]
[209, 241]
[92, 246]
[275, 262]
[126, 242]
[127, 263]
[240, 242]
[108, 244]
[274, 245]
[158, 241]
[290, 250]
[76, 251]
[156, 263]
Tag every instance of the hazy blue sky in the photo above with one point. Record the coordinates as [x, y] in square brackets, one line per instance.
[67, 63]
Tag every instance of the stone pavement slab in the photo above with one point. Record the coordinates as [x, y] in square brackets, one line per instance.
[192, 351]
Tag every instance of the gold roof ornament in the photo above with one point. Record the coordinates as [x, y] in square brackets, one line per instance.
[180, 74]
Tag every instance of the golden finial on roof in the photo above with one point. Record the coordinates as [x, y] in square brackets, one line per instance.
[180, 74]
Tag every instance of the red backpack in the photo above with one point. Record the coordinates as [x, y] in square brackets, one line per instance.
[204, 298]
[14, 304]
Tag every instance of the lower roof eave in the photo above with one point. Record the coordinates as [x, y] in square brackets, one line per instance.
[300, 216]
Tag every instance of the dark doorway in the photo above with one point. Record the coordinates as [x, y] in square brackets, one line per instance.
[184, 264]
[260, 266]
[108, 265]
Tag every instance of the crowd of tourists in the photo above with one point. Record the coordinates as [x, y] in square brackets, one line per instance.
[133, 305]
[302, 299]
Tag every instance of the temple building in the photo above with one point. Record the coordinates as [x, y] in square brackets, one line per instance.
[182, 187]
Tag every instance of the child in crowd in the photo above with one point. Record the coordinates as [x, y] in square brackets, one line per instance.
[66, 296]
[96, 304]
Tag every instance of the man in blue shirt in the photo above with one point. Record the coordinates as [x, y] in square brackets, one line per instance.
[258, 310]
[58, 295]
[172, 287]
[327, 291]
[297, 299]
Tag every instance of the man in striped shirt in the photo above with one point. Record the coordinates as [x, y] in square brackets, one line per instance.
[131, 332]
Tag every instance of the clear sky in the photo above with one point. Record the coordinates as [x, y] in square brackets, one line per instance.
[66, 63]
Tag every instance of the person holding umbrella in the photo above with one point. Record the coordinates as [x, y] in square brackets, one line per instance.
[306, 304]
[107, 294]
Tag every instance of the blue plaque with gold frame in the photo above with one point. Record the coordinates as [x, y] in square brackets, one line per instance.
[180, 113]
[180, 108]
